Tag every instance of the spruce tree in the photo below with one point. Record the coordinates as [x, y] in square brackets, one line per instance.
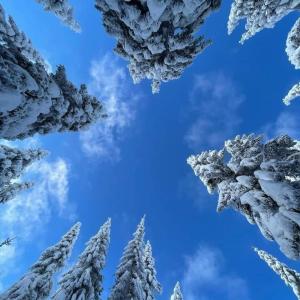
[37, 283]
[157, 38]
[31, 99]
[13, 162]
[290, 277]
[152, 285]
[85, 281]
[177, 295]
[259, 14]
[261, 181]
[130, 277]
[293, 52]
[63, 10]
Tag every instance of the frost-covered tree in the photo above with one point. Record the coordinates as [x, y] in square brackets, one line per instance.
[130, 277]
[12, 164]
[290, 277]
[152, 285]
[84, 280]
[156, 37]
[261, 181]
[293, 93]
[259, 14]
[63, 10]
[6, 242]
[293, 52]
[37, 283]
[177, 294]
[34, 101]
[10, 191]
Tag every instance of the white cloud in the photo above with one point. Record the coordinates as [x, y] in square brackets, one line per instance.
[109, 83]
[205, 278]
[25, 217]
[286, 123]
[216, 100]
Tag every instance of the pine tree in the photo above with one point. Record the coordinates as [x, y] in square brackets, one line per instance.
[130, 277]
[261, 181]
[293, 52]
[63, 10]
[177, 295]
[37, 283]
[13, 162]
[84, 280]
[10, 191]
[259, 14]
[156, 37]
[152, 285]
[34, 101]
[293, 93]
[6, 242]
[290, 277]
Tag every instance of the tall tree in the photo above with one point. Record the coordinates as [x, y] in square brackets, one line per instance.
[177, 295]
[152, 285]
[84, 280]
[33, 100]
[290, 277]
[130, 277]
[293, 52]
[156, 37]
[13, 162]
[63, 10]
[259, 14]
[261, 181]
[37, 283]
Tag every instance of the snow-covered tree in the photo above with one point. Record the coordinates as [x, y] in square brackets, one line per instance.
[177, 295]
[63, 10]
[37, 283]
[152, 285]
[156, 37]
[130, 277]
[293, 52]
[12, 164]
[261, 181]
[84, 280]
[6, 242]
[259, 14]
[293, 93]
[290, 277]
[32, 100]
[10, 191]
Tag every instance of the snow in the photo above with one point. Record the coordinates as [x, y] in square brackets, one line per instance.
[255, 182]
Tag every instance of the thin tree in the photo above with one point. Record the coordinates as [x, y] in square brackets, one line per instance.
[36, 284]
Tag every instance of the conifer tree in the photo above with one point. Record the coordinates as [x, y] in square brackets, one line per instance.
[259, 14]
[31, 99]
[84, 280]
[13, 162]
[63, 10]
[37, 283]
[157, 38]
[177, 295]
[152, 285]
[293, 52]
[290, 277]
[130, 277]
[261, 181]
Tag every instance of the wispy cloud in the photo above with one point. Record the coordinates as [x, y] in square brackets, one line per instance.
[26, 216]
[205, 277]
[110, 84]
[215, 99]
[286, 123]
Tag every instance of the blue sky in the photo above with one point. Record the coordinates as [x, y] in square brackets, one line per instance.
[135, 164]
